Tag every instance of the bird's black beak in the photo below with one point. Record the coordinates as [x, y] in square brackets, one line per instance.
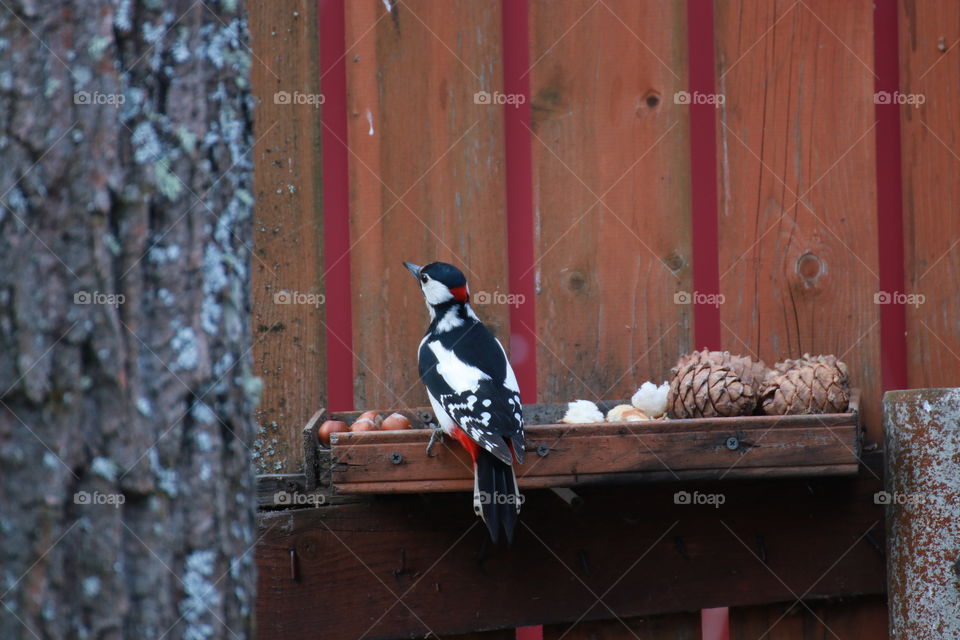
[412, 268]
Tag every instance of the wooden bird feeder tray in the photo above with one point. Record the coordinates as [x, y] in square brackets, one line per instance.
[563, 455]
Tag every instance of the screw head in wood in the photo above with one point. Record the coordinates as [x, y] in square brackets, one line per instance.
[543, 450]
[396, 458]
[733, 443]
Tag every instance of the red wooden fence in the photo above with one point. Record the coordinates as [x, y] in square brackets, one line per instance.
[816, 219]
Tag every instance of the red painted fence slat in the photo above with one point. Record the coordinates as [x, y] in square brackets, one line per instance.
[893, 315]
[520, 232]
[703, 175]
[336, 210]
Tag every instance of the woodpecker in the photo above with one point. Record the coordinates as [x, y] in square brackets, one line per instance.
[473, 392]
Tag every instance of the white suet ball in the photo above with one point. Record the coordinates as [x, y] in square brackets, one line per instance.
[582, 412]
[651, 399]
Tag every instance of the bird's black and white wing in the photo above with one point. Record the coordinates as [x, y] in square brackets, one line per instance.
[467, 374]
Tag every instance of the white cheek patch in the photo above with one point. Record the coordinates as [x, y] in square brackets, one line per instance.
[435, 292]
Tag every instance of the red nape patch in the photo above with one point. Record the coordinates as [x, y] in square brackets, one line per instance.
[460, 293]
[472, 447]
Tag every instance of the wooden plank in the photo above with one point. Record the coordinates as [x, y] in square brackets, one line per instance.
[605, 124]
[272, 484]
[547, 413]
[929, 67]
[288, 352]
[846, 619]
[426, 175]
[311, 445]
[674, 626]
[558, 451]
[619, 478]
[762, 423]
[635, 546]
[797, 203]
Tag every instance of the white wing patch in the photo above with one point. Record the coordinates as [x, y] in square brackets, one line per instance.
[463, 406]
[459, 375]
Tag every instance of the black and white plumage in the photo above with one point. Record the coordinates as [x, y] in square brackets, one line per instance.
[473, 392]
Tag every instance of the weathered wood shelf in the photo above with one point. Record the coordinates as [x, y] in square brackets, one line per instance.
[561, 455]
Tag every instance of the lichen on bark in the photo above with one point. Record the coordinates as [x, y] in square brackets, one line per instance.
[126, 392]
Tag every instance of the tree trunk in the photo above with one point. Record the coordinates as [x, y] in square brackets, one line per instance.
[126, 487]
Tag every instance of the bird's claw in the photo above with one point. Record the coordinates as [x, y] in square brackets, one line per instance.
[434, 437]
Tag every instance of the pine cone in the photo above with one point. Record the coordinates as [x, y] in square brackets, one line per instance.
[830, 361]
[750, 371]
[817, 384]
[702, 389]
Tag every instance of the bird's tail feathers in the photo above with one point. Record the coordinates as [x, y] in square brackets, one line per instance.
[496, 495]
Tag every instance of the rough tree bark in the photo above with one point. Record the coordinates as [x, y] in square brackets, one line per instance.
[126, 488]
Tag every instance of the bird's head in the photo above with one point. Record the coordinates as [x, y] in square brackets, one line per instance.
[441, 283]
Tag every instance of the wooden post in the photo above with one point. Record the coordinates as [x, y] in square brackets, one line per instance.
[923, 512]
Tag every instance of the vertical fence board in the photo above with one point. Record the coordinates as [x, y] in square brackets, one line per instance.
[674, 626]
[288, 350]
[796, 135]
[605, 125]
[839, 620]
[426, 176]
[930, 65]
[798, 238]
